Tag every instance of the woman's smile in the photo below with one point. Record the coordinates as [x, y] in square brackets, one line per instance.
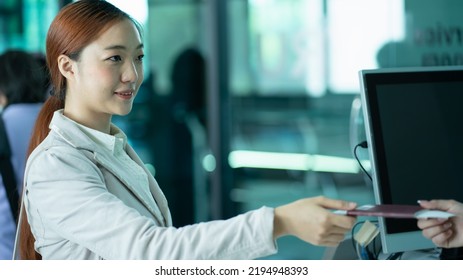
[126, 94]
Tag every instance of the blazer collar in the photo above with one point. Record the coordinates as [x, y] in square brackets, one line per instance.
[151, 196]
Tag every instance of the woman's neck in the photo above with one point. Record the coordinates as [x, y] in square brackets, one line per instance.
[101, 123]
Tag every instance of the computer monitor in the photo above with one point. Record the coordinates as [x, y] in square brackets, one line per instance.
[414, 129]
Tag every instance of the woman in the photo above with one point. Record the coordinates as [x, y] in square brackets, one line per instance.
[88, 195]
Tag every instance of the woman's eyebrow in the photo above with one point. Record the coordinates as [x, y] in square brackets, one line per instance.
[121, 47]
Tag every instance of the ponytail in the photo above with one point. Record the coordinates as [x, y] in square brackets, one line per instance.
[41, 130]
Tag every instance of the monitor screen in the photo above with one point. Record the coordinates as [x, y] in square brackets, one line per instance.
[414, 130]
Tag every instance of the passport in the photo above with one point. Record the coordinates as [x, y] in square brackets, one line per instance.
[397, 211]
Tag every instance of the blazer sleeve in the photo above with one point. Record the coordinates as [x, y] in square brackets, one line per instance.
[67, 200]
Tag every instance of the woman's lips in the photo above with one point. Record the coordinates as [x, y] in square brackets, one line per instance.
[125, 94]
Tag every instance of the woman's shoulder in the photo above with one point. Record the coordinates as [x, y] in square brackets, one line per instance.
[55, 149]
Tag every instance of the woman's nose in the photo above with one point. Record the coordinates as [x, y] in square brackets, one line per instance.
[130, 73]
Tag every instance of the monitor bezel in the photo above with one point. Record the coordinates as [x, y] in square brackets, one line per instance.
[369, 79]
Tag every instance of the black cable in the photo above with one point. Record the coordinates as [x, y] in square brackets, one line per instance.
[375, 251]
[395, 256]
[364, 145]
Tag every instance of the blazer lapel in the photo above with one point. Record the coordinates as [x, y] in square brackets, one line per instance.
[130, 180]
[154, 188]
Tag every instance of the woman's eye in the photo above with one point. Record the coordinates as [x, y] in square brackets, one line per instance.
[115, 58]
[140, 57]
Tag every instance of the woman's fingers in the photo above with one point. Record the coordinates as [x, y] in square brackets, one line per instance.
[442, 239]
[433, 231]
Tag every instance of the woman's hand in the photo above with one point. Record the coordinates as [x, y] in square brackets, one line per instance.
[310, 220]
[445, 233]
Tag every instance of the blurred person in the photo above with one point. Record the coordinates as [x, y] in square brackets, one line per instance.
[22, 92]
[89, 196]
[181, 121]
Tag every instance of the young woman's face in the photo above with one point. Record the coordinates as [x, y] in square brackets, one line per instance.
[107, 75]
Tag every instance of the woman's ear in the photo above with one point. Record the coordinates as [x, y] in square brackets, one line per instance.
[66, 66]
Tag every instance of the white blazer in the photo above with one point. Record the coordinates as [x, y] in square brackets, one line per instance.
[81, 204]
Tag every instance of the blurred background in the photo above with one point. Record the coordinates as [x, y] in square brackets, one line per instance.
[248, 103]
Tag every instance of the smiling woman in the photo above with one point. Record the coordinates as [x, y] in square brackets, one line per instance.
[87, 193]
[115, 57]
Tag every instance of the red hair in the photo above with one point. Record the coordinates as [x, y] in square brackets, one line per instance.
[76, 25]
